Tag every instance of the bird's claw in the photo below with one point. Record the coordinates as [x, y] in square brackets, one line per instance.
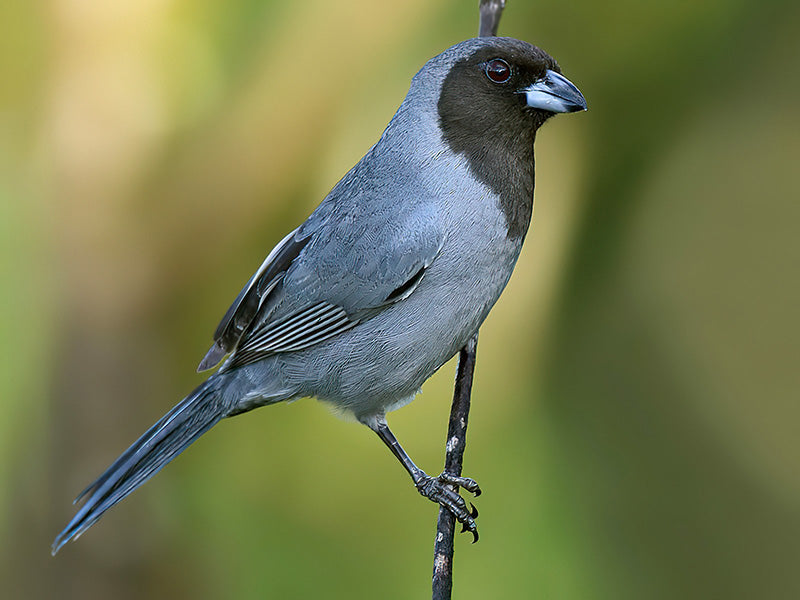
[437, 489]
[465, 482]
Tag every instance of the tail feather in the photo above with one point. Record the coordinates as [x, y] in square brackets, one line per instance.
[176, 430]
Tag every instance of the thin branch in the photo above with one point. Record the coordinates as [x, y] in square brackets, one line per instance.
[456, 444]
[490, 17]
[490, 11]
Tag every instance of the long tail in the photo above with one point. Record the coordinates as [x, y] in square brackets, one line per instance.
[176, 430]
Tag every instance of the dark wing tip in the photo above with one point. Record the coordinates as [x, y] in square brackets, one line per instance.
[59, 542]
[212, 357]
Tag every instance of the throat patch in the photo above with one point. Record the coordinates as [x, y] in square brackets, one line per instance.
[491, 128]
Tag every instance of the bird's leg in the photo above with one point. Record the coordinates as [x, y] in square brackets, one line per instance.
[442, 489]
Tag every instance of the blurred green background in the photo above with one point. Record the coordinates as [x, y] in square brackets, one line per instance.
[635, 410]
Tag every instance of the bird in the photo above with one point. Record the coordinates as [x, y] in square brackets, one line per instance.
[391, 274]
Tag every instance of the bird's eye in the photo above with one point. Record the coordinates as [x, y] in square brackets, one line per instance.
[498, 70]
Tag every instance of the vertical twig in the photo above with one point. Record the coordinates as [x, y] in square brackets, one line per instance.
[490, 11]
[454, 457]
[490, 17]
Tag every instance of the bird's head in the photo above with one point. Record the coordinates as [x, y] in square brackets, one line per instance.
[502, 84]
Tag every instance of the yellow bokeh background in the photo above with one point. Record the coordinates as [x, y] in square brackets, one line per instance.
[635, 409]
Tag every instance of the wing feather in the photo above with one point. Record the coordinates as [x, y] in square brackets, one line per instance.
[274, 333]
[310, 326]
[245, 307]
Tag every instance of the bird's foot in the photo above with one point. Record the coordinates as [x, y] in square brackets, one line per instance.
[437, 489]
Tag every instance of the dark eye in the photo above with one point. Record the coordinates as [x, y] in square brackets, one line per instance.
[498, 70]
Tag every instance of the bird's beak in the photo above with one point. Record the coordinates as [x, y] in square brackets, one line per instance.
[554, 93]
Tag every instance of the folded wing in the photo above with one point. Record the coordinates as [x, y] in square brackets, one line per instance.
[323, 279]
